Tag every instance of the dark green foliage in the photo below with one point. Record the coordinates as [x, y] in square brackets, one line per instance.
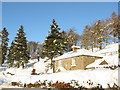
[55, 43]
[18, 51]
[4, 44]
[65, 41]
[10, 56]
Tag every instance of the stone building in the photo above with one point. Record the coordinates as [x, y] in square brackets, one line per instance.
[74, 60]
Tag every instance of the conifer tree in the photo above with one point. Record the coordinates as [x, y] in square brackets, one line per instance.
[10, 56]
[20, 53]
[54, 44]
[4, 44]
[64, 41]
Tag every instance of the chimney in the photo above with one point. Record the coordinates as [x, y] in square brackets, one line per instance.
[75, 48]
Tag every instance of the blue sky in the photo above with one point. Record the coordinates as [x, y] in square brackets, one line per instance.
[36, 17]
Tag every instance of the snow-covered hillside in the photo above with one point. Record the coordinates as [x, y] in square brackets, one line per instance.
[102, 76]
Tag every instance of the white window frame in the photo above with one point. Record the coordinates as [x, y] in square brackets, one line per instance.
[59, 63]
[73, 61]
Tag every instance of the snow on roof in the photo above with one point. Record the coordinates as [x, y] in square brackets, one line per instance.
[79, 52]
[111, 60]
[109, 48]
[95, 64]
[75, 46]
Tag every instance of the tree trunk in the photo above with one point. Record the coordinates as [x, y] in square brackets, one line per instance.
[100, 46]
[52, 65]
[92, 47]
[114, 39]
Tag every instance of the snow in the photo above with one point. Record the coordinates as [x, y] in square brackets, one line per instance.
[110, 49]
[107, 77]
[78, 53]
[111, 60]
[75, 46]
[110, 55]
[101, 76]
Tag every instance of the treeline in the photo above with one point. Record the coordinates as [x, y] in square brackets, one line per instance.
[58, 42]
[101, 33]
[17, 54]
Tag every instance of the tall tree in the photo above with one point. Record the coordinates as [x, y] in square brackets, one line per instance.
[73, 37]
[86, 37]
[10, 56]
[20, 54]
[98, 31]
[4, 44]
[115, 26]
[64, 41]
[54, 43]
[32, 49]
[39, 50]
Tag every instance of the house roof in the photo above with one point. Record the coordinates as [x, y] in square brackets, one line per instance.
[96, 63]
[79, 52]
[111, 60]
[75, 46]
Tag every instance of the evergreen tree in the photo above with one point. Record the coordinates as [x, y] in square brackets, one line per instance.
[4, 44]
[64, 41]
[20, 53]
[54, 44]
[10, 56]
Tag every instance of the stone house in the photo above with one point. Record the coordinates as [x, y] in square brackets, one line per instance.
[98, 64]
[74, 60]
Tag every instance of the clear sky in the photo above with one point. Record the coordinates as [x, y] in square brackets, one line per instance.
[36, 17]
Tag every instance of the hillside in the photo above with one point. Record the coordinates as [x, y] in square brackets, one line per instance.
[86, 78]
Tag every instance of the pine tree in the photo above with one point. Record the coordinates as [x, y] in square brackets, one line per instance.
[64, 41]
[20, 53]
[54, 44]
[4, 44]
[10, 56]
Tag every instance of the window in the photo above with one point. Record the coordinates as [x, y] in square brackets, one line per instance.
[59, 63]
[73, 62]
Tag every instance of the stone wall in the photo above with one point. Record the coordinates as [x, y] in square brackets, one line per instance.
[81, 62]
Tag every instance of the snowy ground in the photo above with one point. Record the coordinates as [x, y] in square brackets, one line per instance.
[97, 76]
[100, 76]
